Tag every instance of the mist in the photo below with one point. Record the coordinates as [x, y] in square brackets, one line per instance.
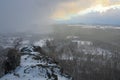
[25, 15]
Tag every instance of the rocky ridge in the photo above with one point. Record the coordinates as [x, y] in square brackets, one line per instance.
[34, 65]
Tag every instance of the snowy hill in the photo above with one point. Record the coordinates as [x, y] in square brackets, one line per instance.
[35, 66]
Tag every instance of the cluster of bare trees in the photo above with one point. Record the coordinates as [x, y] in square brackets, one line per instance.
[85, 66]
[10, 57]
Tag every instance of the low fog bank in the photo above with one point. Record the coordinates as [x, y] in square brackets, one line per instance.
[94, 33]
[107, 34]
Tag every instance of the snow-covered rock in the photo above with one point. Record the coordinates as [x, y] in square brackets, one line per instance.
[35, 66]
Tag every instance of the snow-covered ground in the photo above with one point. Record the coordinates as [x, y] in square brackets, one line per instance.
[80, 42]
[35, 66]
[42, 42]
[97, 27]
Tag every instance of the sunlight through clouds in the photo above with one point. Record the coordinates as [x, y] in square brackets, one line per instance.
[69, 10]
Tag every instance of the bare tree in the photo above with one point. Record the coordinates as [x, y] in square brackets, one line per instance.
[17, 43]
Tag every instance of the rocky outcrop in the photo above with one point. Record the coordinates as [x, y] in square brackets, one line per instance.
[36, 66]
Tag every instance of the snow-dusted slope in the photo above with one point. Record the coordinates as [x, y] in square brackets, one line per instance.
[35, 66]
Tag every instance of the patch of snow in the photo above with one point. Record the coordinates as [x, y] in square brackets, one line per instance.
[25, 42]
[96, 27]
[42, 42]
[80, 42]
[72, 37]
[66, 57]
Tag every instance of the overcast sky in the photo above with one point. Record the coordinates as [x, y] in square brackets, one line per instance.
[38, 15]
[25, 15]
